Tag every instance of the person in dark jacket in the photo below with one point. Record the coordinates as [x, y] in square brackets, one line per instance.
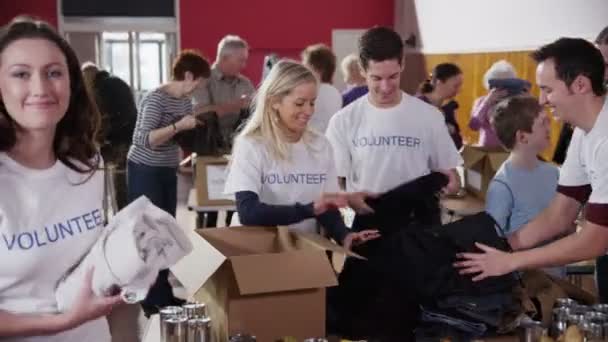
[116, 103]
[439, 89]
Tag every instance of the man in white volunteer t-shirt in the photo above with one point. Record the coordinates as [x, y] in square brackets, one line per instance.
[570, 75]
[388, 137]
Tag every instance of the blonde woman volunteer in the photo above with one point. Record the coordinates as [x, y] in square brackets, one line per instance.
[282, 173]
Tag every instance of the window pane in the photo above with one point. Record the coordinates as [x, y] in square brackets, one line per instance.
[116, 54]
[149, 64]
[119, 60]
[151, 36]
[115, 36]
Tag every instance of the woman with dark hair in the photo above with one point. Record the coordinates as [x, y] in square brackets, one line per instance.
[443, 85]
[153, 158]
[52, 187]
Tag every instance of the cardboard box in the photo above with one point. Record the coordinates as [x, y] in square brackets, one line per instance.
[480, 165]
[209, 181]
[267, 282]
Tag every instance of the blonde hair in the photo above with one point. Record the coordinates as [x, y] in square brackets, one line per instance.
[89, 72]
[350, 66]
[499, 70]
[265, 122]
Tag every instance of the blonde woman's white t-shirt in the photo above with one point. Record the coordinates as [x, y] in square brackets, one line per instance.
[309, 172]
[48, 222]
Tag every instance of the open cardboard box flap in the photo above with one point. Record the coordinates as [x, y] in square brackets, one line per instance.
[193, 270]
[317, 241]
[263, 259]
[496, 159]
[266, 273]
[472, 155]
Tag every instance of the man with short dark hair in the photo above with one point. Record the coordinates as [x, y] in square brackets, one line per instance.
[570, 74]
[387, 137]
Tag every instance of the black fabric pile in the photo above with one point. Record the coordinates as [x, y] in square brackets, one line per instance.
[410, 267]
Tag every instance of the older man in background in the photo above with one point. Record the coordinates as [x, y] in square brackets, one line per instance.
[227, 93]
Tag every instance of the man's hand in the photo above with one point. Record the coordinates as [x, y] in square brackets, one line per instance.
[491, 263]
[232, 106]
[359, 238]
[356, 200]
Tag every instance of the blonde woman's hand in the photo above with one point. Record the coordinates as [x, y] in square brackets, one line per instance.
[329, 201]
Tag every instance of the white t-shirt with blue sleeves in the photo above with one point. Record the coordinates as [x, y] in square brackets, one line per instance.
[309, 172]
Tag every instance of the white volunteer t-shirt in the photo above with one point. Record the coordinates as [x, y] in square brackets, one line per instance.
[328, 103]
[587, 160]
[309, 172]
[48, 222]
[377, 149]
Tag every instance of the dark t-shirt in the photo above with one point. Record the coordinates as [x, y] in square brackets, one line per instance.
[449, 112]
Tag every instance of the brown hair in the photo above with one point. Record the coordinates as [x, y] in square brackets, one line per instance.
[320, 58]
[441, 72]
[575, 57]
[602, 37]
[190, 61]
[380, 44]
[75, 136]
[516, 113]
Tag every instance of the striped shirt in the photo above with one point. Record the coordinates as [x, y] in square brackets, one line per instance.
[158, 109]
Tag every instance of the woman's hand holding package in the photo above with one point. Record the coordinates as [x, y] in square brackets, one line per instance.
[186, 123]
[89, 306]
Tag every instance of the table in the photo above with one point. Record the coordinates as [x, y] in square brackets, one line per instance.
[576, 271]
[193, 206]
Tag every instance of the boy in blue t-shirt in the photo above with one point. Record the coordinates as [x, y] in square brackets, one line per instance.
[524, 185]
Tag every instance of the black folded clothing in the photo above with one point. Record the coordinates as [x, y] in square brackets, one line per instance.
[411, 263]
[415, 201]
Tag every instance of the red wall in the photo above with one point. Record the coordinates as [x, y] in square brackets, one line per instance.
[43, 9]
[281, 26]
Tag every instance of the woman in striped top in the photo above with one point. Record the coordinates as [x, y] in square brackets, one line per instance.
[153, 158]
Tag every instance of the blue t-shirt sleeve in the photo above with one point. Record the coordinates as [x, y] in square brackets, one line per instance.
[334, 225]
[253, 212]
[499, 204]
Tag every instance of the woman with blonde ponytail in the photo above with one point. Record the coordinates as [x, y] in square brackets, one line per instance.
[283, 173]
